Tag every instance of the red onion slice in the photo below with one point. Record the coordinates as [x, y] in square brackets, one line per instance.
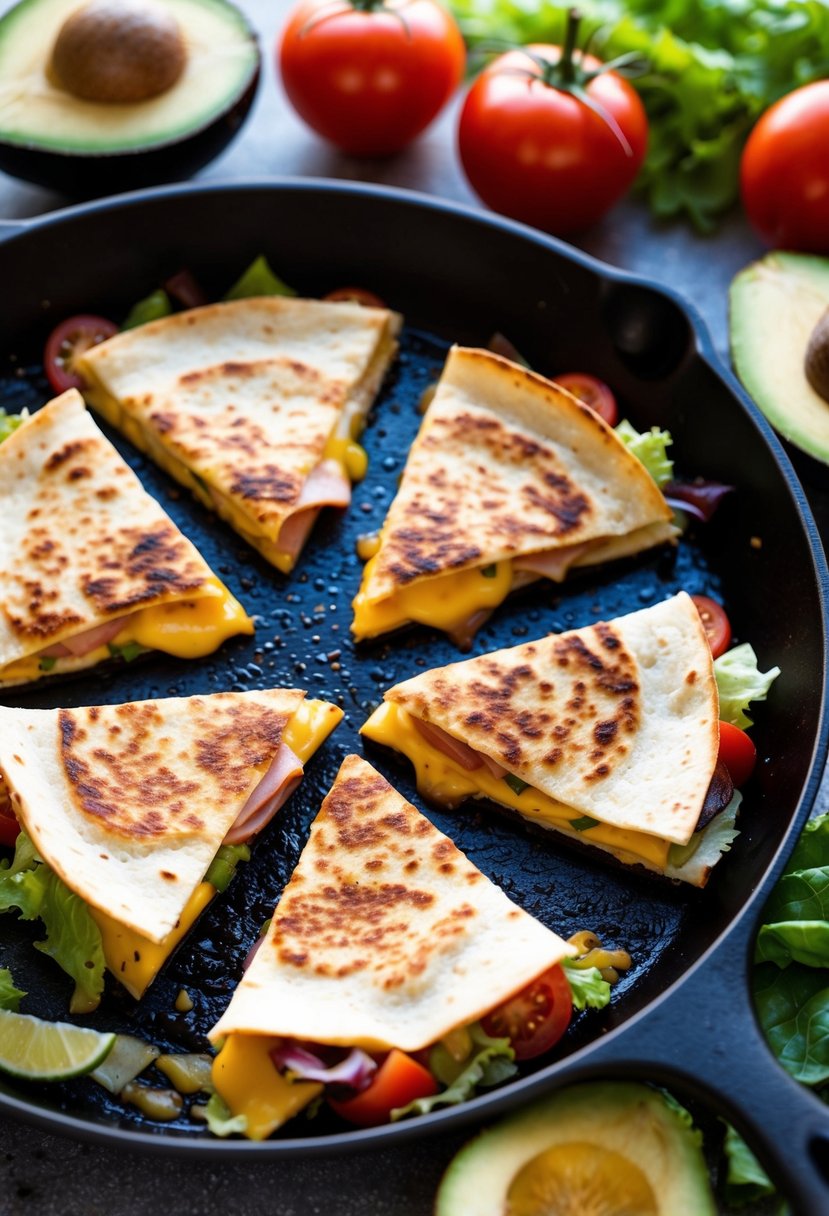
[697, 498]
[356, 1070]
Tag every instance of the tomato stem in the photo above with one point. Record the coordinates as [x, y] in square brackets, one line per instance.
[566, 68]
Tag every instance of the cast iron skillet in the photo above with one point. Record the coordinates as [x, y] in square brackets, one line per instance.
[684, 1015]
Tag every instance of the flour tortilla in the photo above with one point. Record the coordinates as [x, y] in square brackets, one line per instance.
[618, 721]
[386, 935]
[81, 541]
[129, 804]
[507, 464]
[246, 393]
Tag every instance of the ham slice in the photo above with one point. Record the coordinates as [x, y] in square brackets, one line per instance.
[89, 640]
[325, 486]
[551, 563]
[277, 785]
[465, 756]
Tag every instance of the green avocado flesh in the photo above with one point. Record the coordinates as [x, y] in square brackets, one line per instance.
[774, 306]
[222, 59]
[598, 1149]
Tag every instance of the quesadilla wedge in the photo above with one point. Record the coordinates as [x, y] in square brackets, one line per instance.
[132, 816]
[90, 565]
[253, 405]
[386, 940]
[608, 735]
[509, 480]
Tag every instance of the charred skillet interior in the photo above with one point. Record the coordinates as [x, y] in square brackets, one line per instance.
[457, 276]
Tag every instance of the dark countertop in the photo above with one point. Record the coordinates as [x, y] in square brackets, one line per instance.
[45, 1176]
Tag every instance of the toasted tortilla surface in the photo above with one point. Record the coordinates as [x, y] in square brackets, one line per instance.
[128, 804]
[386, 935]
[618, 720]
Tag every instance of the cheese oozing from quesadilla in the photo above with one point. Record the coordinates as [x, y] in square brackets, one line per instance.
[386, 936]
[130, 804]
[90, 564]
[607, 734]
[510, 479]
[254, 405]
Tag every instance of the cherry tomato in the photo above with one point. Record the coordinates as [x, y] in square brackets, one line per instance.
[9, 827]
[356, 295]
[398, 1081]
[369, 77]
[737, 752]
[715, 623]
[591, 392]
[536, 1017]
[537, 153]
[784, 172]
[68, 340]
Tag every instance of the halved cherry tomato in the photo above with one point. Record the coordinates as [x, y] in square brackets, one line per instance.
[715, 623]
[536, 1017]
[9, 827]
[591, 392]
[737, 752]
[356, 295]
[398, 1081]
[68, 340]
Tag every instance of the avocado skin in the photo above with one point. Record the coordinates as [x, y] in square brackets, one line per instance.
[624, 1116]
[91, 174]
[774, 304]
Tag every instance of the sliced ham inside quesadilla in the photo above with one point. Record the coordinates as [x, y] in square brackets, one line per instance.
[90, 565]
[510, 479]
[607, 734]
[254, 405]
[140, 809]
[387, 939]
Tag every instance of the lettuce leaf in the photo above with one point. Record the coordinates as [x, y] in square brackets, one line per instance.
[10, 422]
[650, 448]
[220, 1120]
[10, 997]
[489, 1065]
[72, 939]
[739, 681]
[746, 1181]
[258, 280]
[588, 988]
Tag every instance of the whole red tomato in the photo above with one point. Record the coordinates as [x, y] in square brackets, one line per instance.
[540, 154]
[784, 172]
[369, 75]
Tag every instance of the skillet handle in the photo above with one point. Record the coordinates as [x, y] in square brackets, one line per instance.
[704, 1037]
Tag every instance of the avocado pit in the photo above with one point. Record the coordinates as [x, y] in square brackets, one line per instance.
[816, 363]
[118, 51]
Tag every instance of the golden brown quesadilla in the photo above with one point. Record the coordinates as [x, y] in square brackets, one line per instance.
[253, 405]
[387, 939]
[90, 565]
[607, 734]
[510, 479]
[142, 809]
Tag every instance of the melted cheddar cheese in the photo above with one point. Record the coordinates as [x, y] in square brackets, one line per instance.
[440, 778]
[446, 601]
[134, 959]
[247, 1080]
[188, 629]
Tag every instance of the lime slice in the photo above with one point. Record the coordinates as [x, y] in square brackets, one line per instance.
[49, 1051]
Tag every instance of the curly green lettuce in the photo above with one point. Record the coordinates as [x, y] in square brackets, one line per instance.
[72, 938]
[740, 681]
[588, 989]
[650, 447]
[10, 997]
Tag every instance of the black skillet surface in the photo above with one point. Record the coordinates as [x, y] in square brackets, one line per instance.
[683, 1012]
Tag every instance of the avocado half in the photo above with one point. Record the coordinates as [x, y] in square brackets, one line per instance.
[84, 148]
[597, 1149]
[774, 306]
